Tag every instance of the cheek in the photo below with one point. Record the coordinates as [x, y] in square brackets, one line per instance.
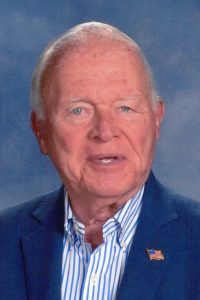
[142, 136]
[66, 144]
[66, 150]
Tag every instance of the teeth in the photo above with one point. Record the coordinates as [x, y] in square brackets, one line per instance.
[107, 160]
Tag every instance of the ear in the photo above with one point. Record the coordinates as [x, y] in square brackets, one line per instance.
[159, 114]
[38, 127]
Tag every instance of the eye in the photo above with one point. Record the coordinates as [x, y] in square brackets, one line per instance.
[125, 108]
[77, 110]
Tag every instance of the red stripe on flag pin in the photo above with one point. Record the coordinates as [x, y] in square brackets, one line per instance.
[154, 254]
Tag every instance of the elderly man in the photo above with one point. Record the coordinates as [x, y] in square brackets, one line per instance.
[112, 231]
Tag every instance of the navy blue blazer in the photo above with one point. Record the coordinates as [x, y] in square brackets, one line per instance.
[31, 241]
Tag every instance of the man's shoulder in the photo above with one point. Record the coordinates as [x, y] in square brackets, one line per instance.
[185, 207]
[28, 206]
[163, 197]
[182, 203]
[16, 217]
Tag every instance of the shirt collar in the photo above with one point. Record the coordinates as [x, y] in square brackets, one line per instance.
[120, 222]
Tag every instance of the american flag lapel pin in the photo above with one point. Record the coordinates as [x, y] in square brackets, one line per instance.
[155, 254]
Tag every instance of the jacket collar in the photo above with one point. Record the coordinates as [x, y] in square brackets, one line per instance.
[157, 202]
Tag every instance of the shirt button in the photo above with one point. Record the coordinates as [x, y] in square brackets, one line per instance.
[94, 278]
[123, 245]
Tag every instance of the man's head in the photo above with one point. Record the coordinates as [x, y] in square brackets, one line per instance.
[95, 111]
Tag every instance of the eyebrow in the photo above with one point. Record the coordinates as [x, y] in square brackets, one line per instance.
[78, 99]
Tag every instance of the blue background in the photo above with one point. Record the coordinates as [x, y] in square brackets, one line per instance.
[169, 34]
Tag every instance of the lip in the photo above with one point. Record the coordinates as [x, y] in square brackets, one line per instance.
[106, 159]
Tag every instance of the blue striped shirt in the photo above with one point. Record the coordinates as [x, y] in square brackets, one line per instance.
[96, 274]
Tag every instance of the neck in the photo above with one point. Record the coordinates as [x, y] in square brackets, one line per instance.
[94, 222]
[93, 212]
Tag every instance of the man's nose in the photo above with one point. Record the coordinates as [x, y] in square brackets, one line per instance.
[104, 128]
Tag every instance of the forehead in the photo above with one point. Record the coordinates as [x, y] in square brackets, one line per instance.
[102, 59]
[100, 63]
[100, 53]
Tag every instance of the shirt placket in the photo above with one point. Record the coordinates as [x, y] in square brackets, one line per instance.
[91, 275]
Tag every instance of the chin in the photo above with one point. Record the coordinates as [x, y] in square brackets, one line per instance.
[111, 191]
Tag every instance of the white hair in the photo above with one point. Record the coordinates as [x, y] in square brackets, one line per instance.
[73, 38]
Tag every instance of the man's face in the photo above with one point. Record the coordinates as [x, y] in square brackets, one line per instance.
[100, 127]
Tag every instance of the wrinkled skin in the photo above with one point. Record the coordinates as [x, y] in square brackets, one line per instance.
[100, 128]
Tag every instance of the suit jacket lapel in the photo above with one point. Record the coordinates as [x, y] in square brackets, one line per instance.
[155, 231]
[42, 250]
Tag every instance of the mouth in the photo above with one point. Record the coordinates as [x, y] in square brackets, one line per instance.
[106, 159]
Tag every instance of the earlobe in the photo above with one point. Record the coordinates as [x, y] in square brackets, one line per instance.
[159, 114]
[38, 129]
